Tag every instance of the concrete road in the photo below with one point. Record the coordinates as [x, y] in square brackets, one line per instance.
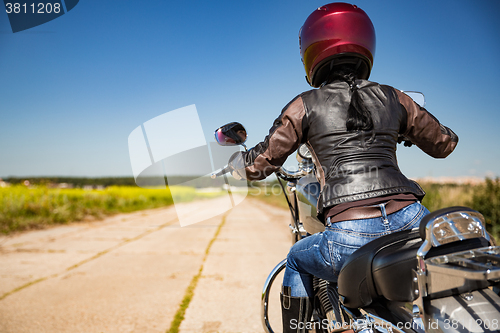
[129, 273]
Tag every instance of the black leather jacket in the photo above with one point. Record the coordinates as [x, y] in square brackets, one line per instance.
[350, 166]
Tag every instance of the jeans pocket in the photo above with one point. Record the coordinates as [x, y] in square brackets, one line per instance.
[341, 247]
[339, 254]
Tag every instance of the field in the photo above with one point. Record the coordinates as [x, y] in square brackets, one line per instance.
[23, 208]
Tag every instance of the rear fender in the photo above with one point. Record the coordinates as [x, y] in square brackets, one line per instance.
[477, 311]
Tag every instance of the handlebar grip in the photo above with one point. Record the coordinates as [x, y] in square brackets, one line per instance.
[227, 169]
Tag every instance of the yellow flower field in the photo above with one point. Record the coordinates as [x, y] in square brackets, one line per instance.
[23, 208]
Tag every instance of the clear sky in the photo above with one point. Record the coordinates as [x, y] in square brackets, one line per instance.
[73, 89]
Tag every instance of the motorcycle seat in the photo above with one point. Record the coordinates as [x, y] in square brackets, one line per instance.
[392, 265]
[382, 267]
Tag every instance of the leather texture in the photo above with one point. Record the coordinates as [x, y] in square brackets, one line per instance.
[357, 165]
[350, 165]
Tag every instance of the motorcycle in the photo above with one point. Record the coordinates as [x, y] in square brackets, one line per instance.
[441, 277]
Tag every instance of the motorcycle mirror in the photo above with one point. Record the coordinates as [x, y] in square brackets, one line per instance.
[417, 97]
[231, 134]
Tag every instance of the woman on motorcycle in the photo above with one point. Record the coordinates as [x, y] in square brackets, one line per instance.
[351, 126]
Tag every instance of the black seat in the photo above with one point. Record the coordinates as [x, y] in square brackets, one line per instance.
[392, 255]
[383, 267]
[392, 270]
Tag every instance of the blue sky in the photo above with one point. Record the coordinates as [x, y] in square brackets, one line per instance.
[73, 89]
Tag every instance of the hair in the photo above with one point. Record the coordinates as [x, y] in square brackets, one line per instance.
[359, 117]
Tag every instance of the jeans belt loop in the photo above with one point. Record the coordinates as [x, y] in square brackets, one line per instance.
[384, 213]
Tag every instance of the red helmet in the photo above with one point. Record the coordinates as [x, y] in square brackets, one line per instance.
[340, 32]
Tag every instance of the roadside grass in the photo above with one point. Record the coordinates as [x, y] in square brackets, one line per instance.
[272, 195]
[23, 208]
[447, 195]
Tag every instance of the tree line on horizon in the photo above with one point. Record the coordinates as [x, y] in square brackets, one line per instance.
[80, 182]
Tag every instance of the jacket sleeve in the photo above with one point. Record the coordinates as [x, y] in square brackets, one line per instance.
[424, 130]
[284, 138]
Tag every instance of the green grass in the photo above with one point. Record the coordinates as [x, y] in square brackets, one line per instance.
[23, 208]
[272, 195]
[446, 195]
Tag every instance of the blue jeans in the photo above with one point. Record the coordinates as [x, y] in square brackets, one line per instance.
[324, 253]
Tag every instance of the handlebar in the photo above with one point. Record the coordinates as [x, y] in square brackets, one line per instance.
[227, 169]
[281, 173]
[287, 175]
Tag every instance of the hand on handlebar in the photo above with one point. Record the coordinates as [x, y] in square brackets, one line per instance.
[234, 166]
[225, 170]
[406, 142]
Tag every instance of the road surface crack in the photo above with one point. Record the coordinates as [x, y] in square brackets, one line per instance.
[179, 315]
